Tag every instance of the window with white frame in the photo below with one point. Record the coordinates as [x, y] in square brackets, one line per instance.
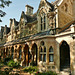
[51, 54]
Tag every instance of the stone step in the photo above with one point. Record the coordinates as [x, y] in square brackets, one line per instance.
[64, 73]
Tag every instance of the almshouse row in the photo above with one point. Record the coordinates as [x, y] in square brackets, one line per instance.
[27, 54]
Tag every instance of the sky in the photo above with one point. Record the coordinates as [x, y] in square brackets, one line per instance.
[15, 9]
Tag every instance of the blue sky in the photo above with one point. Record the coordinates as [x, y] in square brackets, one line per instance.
[15, 9]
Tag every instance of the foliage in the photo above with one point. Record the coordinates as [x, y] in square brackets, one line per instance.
[1, 64]
[30, 69]
[13, 64]
[6, 71]
[3, 4]
[46, 73]
[6, 60]
[33, 63]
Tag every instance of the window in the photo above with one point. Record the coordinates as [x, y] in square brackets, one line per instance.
[44, 49]
[44, 58]
[42, 43]
[29, 10]
[41, 57]
[41, 26]
[43, 21]
[51, 58]
[51, 49]
[42, 52]
[51, 54]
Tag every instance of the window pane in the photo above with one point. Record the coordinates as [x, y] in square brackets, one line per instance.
[51, 58]
[44, 25]
[51, 49]
[44, 58]
[41, 57]
[44, 19]
[41, 50]
[41, 26]
[44, 49]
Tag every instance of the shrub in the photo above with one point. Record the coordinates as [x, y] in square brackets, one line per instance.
[13, 64]
[30, 69]
[1, 64]
[6, 71]
[33, 63]
[46, 73]
[6, 60]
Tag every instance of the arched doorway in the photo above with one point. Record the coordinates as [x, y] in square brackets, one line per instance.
[34, 54]
[26, 55]
[64, 56]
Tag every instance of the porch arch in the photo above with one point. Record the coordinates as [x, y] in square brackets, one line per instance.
[64, 55]
[26, 55]
[34, 51]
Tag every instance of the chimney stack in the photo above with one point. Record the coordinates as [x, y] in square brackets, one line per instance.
[29, 10]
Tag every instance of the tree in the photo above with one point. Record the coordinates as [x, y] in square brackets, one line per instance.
[3, 4]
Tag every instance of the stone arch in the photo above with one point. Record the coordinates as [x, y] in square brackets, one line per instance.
[42, 10]
[62, 41]
[12, 52]
[20, 52]
[34, 54]
[7, 51]
[26, 55]
[64, 55]
[42, 43]
[4, 52]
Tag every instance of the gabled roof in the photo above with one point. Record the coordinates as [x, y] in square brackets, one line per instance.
[55, 2]
[67, 27]
[51, 5]
[27, 18]
[32, 18]
[42, 3]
